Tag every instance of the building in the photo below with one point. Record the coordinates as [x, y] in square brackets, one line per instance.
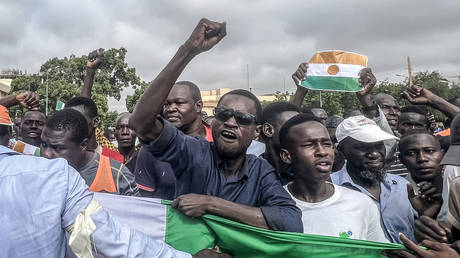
[211, 97]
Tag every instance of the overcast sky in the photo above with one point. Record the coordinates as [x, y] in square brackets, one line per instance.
[271, 37]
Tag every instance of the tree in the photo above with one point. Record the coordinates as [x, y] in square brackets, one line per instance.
[131, 100]
[64, 78]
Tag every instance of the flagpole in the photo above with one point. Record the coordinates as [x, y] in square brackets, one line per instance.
[409, 69]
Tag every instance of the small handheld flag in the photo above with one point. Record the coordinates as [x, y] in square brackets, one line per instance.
[334, 71]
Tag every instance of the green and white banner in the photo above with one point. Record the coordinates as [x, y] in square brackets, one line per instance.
[334, 71]
[157, 219]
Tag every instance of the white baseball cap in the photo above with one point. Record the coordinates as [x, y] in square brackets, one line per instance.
[362, 129]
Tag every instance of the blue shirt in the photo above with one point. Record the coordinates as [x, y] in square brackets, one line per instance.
[397, 214]
[39, 198]
[198, 169]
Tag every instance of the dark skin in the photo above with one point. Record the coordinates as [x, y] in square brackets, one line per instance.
[93, 123]
[59, 144]
[311, 153]
[364, 156]
[434, 249]
[272, 143]
[422, 155]
[31, 127]
[183, 111]
[320, 114]
[232, 150]
[410, 121]
[27, 99]
[390, 109]
[421, 96]
[126, 137]
[95, 59]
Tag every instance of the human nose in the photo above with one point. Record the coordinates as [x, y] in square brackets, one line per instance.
[231, 122]
[422, 157]
[46, 153]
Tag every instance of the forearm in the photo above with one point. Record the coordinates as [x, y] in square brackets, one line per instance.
[144, 117]
[9, 101]
[299, 96]
[367, 101]
[241, 213]
[444, 106]
[88, 83]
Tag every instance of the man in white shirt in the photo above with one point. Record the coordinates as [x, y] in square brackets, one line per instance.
[327, 209]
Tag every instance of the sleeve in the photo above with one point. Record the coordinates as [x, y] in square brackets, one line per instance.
[382, 122]
[127, 182]
[375, 231]
[453, 215]
[280, 211]
[78, 196]
[181, 151]
[145, 171]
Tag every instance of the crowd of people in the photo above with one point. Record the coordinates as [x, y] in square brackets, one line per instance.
[380, 174]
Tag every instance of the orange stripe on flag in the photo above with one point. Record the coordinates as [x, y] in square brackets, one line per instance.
[338, 57]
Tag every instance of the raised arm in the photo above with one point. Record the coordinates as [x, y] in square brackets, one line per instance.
[144, 118]
[95, 59]
[301, 92]
[367, 81]
[26, 99]
[421, 96]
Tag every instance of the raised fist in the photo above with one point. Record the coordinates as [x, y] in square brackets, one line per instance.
[95, 59]
[206, 35]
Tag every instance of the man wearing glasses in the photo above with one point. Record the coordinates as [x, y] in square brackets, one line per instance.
[215, 178]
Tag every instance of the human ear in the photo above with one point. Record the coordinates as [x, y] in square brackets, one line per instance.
[84, 144]
[285, 156]
[268, 130]
[96, 121]
[198, 106]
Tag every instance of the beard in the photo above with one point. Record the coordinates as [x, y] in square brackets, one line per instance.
[371, 177]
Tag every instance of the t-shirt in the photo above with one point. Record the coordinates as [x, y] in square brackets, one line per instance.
[122, 177]
[450, 173]
[347, 214]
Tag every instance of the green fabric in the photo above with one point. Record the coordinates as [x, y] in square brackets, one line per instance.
[331, 83]
[245, 241]
[187, 234]
[191, 235]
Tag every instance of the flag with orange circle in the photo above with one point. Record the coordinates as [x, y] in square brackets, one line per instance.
[334, 71]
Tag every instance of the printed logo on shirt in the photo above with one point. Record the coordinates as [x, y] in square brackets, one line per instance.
[346, 234]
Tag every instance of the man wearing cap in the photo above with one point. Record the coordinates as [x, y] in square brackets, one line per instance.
[361, 142]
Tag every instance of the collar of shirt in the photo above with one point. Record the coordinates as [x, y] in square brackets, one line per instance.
[243, 172]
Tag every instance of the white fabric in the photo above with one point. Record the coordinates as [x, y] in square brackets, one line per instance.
[362, 129]
[450, 172]
[82, 229]
[345, 212]
[345, 70]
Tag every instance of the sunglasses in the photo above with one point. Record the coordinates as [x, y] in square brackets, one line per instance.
[242, 118]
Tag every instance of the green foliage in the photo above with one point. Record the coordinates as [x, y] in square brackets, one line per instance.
[131, 100]
[64, 78]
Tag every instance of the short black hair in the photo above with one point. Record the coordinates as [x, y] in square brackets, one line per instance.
[33, 111]
[249, 95]
[194, 90]
[273, 109]
[412, 109]
[413, 132]
[87, 103]
[295, 120]
[69, 120]
[5, 130]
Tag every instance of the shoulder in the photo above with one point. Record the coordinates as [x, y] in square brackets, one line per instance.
[396, 181]
[259, 164]
[357, 196]
[16, 164]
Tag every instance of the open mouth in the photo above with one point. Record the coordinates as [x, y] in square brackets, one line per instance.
[228, 135]
[325, 166]
[172, 118]
[32, 134]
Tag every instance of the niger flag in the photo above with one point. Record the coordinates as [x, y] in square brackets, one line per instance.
[334, 71]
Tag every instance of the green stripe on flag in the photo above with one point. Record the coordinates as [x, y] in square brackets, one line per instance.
[245, 241]
[332, 83]
[186, 234]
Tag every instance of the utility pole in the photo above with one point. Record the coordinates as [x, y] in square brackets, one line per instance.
[247, 73]
[409, 69]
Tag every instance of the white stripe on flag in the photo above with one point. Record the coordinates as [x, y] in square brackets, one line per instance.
[345, 70]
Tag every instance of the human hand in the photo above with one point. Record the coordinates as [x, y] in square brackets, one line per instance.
[208, 253]
[28, 100]
[435, 249]
[417, 95]
[367, 81]
[300, 74]
[428, 203]
[95, 59]
[192, 205]
[206, 35]
[427, 228]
